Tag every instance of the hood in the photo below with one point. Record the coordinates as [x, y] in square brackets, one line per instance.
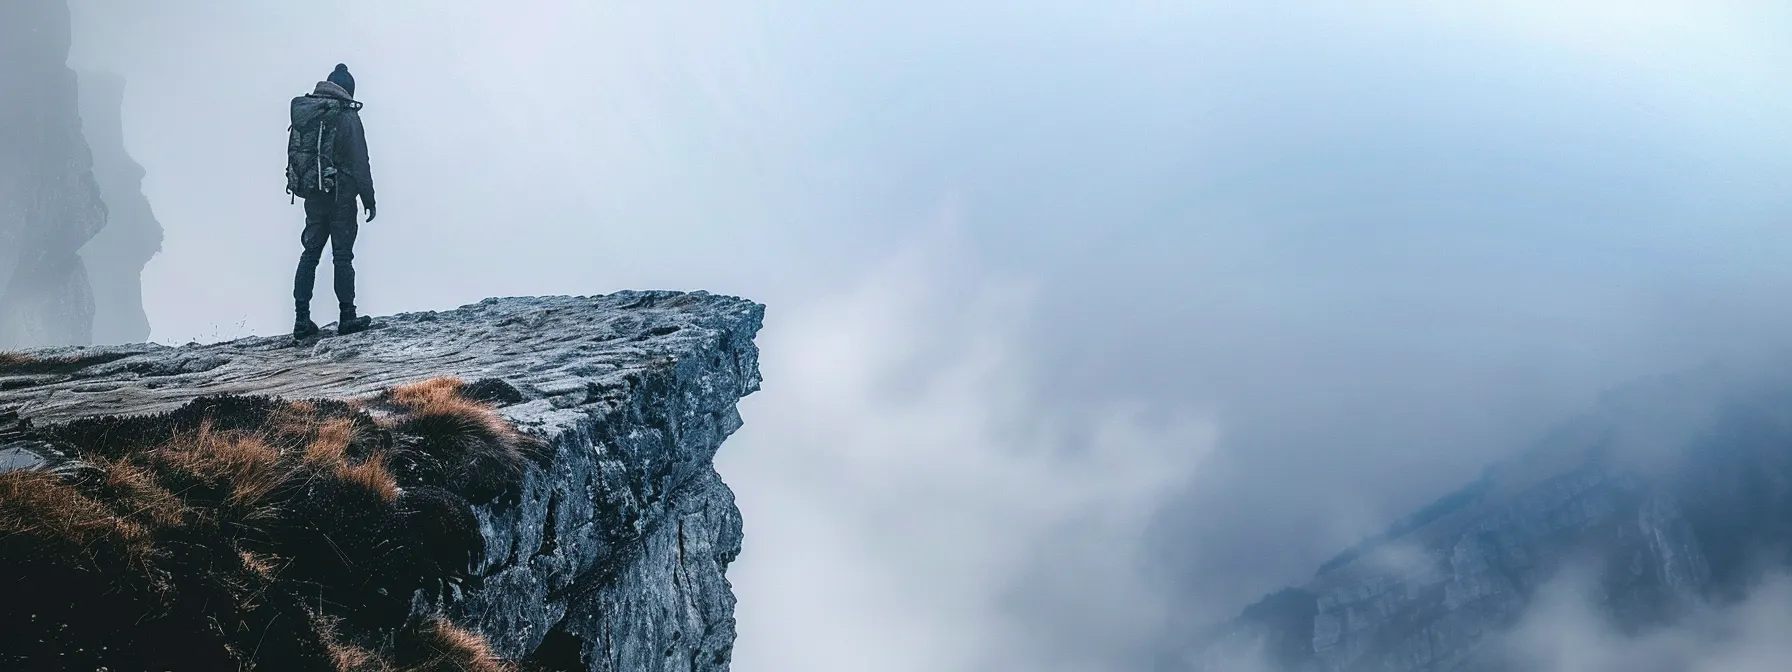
[331, 90]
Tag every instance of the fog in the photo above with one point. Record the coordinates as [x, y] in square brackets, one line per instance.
[1562, 632]
[1087, 321]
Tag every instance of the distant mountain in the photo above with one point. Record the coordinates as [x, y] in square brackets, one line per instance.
[49, 202]
[115, 257]
[1674, 492]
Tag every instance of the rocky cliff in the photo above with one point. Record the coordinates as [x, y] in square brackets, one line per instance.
[49, 203]
[1673, 493]
[115, 257]
[604, 550]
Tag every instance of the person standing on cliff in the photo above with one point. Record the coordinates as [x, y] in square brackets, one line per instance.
[327, 166]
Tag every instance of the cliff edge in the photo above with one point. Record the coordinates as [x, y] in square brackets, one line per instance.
[604, 549]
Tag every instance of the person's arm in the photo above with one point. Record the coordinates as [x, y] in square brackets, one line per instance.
[359, 164]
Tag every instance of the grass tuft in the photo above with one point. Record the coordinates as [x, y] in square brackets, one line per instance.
[241, 532]
[442, 646]
[460, 444]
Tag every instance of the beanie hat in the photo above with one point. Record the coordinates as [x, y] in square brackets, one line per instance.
[340, 77]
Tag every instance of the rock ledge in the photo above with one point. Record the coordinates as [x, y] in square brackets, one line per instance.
[613, 557]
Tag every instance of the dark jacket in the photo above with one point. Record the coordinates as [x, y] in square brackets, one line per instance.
[351, 143]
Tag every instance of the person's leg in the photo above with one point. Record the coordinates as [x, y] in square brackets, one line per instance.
[311, 240]
[344, 226]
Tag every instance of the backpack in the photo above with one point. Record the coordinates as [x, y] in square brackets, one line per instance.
[311, 145]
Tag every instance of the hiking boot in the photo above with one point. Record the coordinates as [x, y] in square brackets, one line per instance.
[304, 328]
[350, 324]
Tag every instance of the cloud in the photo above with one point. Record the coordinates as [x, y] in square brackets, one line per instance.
[901, 479]
[1380, 243]
[1565, 631]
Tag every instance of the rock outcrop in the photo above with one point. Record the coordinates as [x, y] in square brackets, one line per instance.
[115, 257]
[1671, 494]
[49, 202]
[610, 552]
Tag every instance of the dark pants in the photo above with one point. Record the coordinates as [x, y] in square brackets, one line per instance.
[329, 219]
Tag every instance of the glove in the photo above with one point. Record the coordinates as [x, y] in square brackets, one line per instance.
[371, 211]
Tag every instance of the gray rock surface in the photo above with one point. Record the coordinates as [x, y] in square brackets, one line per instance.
[115, 257]
[49, 203]
[614, 557]
[21, 457]
[1672, 493]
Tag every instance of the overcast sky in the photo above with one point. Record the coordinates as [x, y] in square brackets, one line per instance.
[1081, 314]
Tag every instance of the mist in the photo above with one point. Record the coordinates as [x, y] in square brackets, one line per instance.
[1088, 323]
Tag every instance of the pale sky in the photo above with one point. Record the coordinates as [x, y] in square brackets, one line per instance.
[1081, 315]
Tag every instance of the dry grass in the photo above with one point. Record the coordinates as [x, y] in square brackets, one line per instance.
[41, 512]
[443, 398]
[293, 423]
[429, 391]
[341, 656]
[370, 475]
[246, 516]
[351, 658]
[324, 441]
[443, 646]
[464, 445]
[136, 495]
[261, 565]
[242, 467]
[329, 444]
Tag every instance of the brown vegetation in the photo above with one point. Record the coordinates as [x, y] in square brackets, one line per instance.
[472, 450]
[442, 646]
[255, 533]
[62, 523]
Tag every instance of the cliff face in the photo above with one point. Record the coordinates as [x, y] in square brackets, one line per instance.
[49, 203]
[115, 257]
[610, 553]
[1673, 493]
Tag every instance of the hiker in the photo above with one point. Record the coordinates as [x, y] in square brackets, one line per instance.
[326, 165]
